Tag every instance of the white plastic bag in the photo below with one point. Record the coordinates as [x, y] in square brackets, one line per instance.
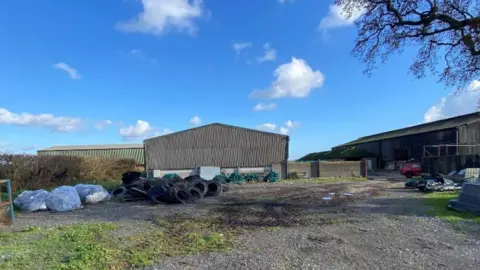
[92, 194]
[31, 201]
[64, 198]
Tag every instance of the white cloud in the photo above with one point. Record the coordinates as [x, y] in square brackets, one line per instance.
[139, 131]
[165, 131]
[455, 104]
[102, 124]
[267, 126]
[337, 17]
[73, 73]
[195, 121]
[270, 54]
[239, 47]
[284, 130]
[294, 79]
[288, 126]
[291, 124]
[48, 121]
[159, 16]
[264, 107]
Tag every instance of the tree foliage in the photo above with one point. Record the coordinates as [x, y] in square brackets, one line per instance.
[446, 32]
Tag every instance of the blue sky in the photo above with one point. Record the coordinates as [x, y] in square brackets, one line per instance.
[96, 72]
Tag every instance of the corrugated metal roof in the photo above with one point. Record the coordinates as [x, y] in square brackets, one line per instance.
[129, 153]
[92, 147]
[222, 125]
[349, 153]
[422, 128]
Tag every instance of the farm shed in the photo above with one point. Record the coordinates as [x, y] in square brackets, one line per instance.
[217, 145]
[452, 136]
[130, 151]
[347, 154]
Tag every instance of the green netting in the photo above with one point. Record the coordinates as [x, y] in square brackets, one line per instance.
[250, 177]
[221, 178]
[236, 178]
[272, 177]
[411, 183]
[169, 176]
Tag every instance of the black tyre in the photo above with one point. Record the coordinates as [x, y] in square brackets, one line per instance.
[177, 182]
[158, 194]
[409, 174]
[130, 177]
[119, 192]
[192, 178]
[214, 188]
[181, 195]
[202, 185]
[195, 193]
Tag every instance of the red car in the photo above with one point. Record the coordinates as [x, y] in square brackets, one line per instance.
[411, 169]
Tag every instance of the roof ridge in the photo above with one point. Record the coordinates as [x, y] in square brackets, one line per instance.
[219, 124]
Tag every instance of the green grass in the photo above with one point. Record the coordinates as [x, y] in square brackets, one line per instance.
[438, 202]
[96, 246]
[325, 180]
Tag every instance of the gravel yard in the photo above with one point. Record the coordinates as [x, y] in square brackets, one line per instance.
[366, 225]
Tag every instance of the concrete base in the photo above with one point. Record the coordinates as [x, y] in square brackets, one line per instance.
[468, 200]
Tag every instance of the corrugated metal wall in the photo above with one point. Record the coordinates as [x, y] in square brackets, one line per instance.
[385, 149]
[215, 145]
[130, 153]
[469, 134]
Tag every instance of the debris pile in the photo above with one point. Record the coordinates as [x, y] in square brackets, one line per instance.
[439, 182]
[170, 189]
[61, 199]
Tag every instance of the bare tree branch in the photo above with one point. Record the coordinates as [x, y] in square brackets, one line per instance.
[447, 27]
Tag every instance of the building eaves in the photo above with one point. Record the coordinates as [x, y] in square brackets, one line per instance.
[92, 147]
[417, 129]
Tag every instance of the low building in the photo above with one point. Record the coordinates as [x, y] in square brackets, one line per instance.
[218, 145]
[129, 151]
[456, 136]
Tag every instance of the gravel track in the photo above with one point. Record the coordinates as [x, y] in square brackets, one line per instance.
[381, 226]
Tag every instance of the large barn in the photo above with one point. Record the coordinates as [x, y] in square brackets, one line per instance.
[129, 151]
[218, 145]
[457, 136]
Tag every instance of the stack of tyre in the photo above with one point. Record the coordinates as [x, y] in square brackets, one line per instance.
[170, 189]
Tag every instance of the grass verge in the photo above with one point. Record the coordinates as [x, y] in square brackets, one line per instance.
[438, 202]
[97, 246]
[325, 180]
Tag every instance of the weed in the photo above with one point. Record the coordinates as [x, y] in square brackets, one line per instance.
[438, 202]
[326, 180]
[94, 246]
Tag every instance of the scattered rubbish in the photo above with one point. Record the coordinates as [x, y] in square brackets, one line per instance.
[64, 198]
[331, 194]
[170, 189]
[438, 182]
[92, 194]
[328, 198]
[31, 201]
[347, 194]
